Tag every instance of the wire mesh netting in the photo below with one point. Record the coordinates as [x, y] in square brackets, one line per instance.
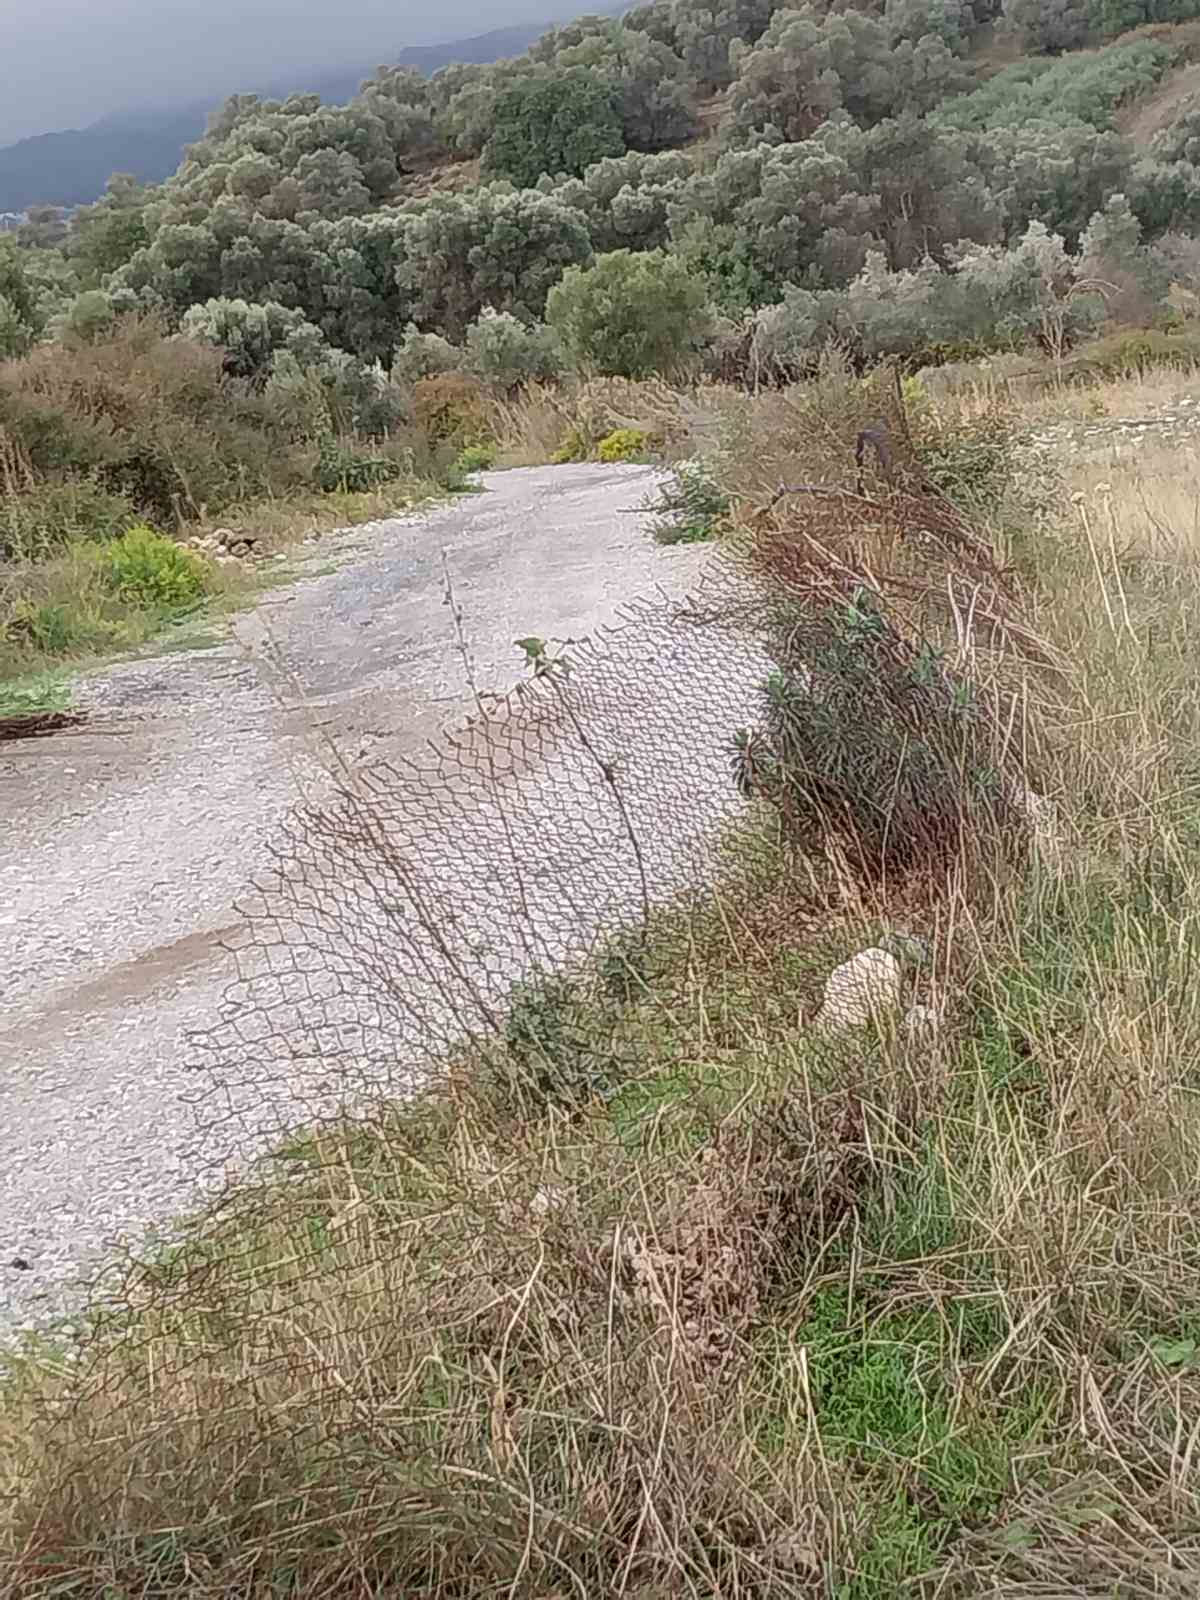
[475, 1343]
[400, 914]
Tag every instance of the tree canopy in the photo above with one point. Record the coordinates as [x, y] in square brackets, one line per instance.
[853, 150]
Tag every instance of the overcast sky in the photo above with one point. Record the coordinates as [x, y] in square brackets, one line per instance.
[64, 63]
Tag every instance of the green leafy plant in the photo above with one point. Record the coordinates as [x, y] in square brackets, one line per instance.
[506, 352]
[144, 567]
[971, 462]
[623, 444]
[342, 469]
[35, 692]
[872, 742]
[554, 1050]
[690, 505]
[476, 458]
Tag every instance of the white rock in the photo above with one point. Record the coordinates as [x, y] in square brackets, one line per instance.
[860, 989]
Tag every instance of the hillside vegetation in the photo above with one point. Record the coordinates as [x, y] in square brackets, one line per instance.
[871, 182]
[674, 1281]
[661, 1287]
[70, 167]
[728, 194]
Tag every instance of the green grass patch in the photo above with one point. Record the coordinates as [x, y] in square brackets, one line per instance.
[35, 692]
[690, 506]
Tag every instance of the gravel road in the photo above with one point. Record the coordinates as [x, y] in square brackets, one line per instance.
[129, 841]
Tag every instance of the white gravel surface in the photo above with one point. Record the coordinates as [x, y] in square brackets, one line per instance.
[128, 842]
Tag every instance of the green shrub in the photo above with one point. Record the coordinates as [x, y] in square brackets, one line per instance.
[1087, 89]
[341, 469]
[623, 444]
[476, 458]
[555, 1049]
[690, 504]
[506, 352]
[424, 355]
[918, 402]
[871, 741]
[143, 567]
[57, 628]
[248, 335]
[89, 317]
[972, 462]
[631, 314]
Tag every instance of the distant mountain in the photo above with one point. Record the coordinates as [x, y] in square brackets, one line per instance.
[71, 168]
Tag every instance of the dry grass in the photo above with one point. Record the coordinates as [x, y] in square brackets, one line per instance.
[1140, 504]
[548, 421]
[283, 523]
[1136, 394]
[781, 1315]
[1028, 388]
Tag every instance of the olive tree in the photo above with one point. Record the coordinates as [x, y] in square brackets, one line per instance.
[250, 334]
[490, 247]
[1049, 25]
[630, 314]
[506, 352]
[556, 122]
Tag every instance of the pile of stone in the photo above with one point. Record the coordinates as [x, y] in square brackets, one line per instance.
[225, 546]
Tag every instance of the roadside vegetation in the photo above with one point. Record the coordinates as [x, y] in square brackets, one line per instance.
[661, 1288]
[666, 1290]
[328, 312]
[117, 458]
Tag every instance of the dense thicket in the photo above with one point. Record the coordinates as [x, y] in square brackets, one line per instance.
[865, 177]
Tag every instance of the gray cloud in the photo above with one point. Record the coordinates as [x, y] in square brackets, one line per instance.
[68, 62]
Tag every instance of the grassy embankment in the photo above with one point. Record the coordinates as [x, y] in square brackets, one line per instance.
[777, 1314]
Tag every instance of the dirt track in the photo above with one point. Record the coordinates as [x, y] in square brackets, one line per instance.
[129, 841]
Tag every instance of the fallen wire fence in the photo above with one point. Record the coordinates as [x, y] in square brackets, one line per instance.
[464, 1350]
[403, 917]
[400, 915]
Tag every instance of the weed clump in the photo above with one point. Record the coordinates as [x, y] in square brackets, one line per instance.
[143, 567]
[623, 444]
[870, 746]
[560, 1045]
[38, 518]
[690, 505]
[476, 458]
[973, 462]
[342, 468]
[451, 408]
